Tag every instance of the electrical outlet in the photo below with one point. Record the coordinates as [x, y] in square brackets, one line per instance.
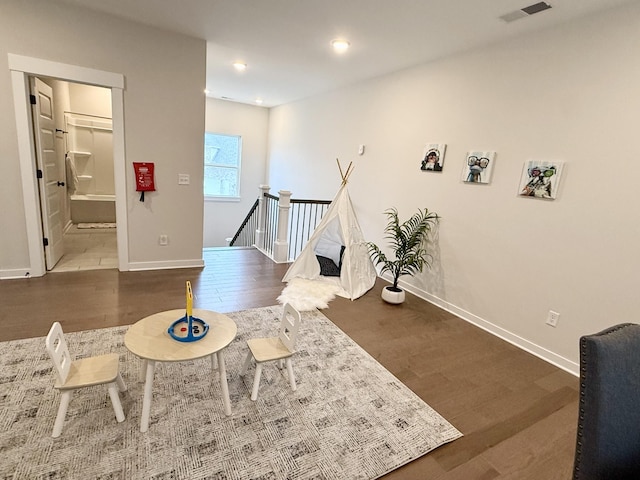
[163, 240]
[552, 318]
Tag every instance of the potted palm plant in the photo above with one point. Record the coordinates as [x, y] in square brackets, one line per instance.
[407, 241]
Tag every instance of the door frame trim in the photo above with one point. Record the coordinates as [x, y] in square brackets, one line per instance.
[21, 68]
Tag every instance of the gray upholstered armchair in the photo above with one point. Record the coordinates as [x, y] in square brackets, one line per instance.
[608, 440]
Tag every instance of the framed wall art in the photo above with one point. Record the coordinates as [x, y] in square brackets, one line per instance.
[433, 157]
[540, 179]
[478, 167]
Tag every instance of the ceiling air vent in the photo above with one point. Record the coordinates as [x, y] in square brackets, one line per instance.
[525, 12]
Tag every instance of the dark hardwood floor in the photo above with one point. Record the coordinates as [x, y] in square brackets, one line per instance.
[518, 413]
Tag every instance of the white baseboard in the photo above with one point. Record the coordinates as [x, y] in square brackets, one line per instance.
[522, 343]
[267, 254]
[13, 274]
[137, 266]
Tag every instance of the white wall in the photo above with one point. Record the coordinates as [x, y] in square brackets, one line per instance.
[569, 94]
[222, 218]
[164, 122]
[89, 100]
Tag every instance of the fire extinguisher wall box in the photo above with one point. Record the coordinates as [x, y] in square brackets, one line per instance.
[145, 181]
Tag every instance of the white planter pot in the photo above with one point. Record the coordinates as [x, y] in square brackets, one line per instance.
[391, 296]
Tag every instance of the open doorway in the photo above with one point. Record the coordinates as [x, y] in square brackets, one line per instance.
[79, 215]
[22, 69]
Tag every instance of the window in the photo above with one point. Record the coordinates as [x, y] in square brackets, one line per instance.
[221, 165]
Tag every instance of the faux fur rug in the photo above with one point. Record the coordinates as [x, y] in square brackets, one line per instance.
[348, 419]
[305, 295]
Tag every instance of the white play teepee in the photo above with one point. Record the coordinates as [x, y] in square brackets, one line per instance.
[337, 243]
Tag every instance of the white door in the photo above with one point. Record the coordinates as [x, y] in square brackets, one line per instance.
[50, 185]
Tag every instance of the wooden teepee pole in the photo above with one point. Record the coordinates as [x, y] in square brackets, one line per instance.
[345, 175]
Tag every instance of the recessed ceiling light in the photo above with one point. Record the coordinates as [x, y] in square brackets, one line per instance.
[206, 92]
[340, 45]
[241, 67]
[259, 101]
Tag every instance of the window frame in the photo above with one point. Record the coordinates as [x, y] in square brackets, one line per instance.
[223, 198]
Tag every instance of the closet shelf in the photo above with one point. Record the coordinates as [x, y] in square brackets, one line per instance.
[77, 153]
[92, 127]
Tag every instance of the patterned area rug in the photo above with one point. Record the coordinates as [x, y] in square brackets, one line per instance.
[348, 419]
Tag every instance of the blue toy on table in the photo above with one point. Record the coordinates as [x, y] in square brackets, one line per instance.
[188, 328]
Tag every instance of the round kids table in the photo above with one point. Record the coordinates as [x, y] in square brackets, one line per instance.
[148, 339]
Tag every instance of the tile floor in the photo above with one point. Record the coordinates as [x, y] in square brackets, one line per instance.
[88, 249]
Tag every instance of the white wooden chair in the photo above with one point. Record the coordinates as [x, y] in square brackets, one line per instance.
[277, 348]
[81, 373]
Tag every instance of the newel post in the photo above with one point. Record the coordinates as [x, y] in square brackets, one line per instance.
[262, 213]
[281, 245]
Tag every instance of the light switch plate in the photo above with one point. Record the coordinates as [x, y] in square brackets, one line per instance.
[183, 179]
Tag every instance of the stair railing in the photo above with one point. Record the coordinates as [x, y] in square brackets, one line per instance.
[305, 217]
[246, 234]
[280, 226]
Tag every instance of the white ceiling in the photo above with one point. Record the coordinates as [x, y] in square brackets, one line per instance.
[285, 43]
